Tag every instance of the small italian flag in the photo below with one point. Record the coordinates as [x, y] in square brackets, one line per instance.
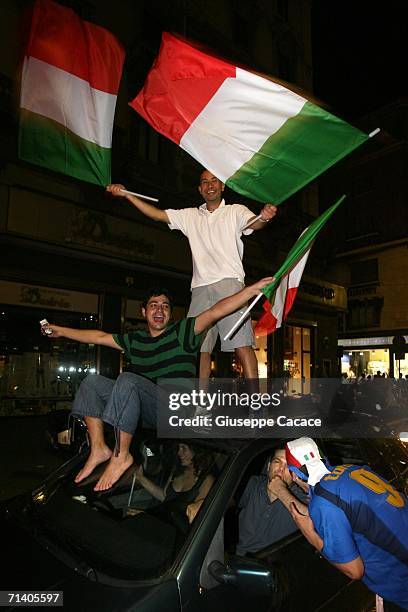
[70, 80]
[260, 138]
[281, 293]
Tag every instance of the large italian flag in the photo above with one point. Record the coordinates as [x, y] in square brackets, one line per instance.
[281, 293]
[70, 79]
[258, 137]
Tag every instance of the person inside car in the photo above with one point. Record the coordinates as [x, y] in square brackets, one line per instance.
[163, 351]
[263, 519]
[355, 518]
[188, 483]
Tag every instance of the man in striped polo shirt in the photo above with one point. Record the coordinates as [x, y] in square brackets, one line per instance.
[164, 350]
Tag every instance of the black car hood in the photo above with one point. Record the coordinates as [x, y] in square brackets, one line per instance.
[31, 565]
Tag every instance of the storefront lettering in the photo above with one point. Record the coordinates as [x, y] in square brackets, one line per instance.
[34, 296]
[361, 291]
[326, 293]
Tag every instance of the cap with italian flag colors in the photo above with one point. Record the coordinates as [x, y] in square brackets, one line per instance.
[303, 458]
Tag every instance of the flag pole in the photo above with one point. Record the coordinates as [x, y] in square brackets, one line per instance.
[243, 316]
[139, 195]
[251, 222]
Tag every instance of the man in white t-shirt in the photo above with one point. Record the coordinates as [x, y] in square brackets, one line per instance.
[214, 232]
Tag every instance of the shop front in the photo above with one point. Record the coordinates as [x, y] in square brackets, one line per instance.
[37, 374]
[373, 356]
[305, 346]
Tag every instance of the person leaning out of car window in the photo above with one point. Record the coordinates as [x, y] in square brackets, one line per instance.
[355, 518]
[263, 519]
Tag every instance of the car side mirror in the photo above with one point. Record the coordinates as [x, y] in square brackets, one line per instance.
[248, 575]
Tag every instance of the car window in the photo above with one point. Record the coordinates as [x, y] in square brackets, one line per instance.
[99, 529]
[388, 457]
[252, 522]
[340, 451]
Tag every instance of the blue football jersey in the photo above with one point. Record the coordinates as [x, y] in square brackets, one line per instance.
[358, 513]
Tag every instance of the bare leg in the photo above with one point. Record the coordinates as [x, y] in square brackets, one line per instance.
[100, 452]
[247, 358]
[117, 465]
[205, 365]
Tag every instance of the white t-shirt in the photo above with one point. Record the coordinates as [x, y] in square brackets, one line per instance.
[215, 240]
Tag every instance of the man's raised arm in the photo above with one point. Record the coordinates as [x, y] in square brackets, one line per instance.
[228, 305]
[146, 209]
[86, 336]
[267, 214]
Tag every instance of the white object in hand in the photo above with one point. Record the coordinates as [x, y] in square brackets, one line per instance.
[44, 326]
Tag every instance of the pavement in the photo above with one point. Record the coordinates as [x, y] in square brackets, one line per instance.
[26, 456]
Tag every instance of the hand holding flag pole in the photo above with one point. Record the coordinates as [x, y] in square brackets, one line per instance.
[248, 225]
[140, 195]
[261, 217]
[297, 255]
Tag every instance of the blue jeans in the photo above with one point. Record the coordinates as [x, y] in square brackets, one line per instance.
[121, 402]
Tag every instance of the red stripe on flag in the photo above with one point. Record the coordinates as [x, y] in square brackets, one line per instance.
[60, 38]
[179, 86]
[282, 298]
[290, 298]
[267, 323]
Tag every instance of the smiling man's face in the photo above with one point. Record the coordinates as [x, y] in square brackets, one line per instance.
[210, 188]
[157, 313]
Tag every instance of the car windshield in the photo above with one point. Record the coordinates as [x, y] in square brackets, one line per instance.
[127, 532]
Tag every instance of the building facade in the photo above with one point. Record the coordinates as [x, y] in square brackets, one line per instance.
[372, 260]
[76, 257]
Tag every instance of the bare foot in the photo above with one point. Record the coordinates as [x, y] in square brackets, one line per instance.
[97, 456]
[116, 467]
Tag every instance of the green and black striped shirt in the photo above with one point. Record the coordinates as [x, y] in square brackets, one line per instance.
[173, 354]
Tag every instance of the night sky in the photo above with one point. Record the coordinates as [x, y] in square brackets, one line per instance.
[359, 53]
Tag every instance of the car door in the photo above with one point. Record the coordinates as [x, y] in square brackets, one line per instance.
[302, 578]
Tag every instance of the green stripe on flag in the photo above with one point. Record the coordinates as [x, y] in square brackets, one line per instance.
[51, 145]
[300, 247]
[300, 150]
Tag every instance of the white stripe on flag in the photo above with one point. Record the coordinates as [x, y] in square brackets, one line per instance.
[278, 307]
[69, 100]
[295, 275]
[288, 282]
[238, 120]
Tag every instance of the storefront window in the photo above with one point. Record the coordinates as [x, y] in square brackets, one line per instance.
[261, 344]
[38, 374]
[369, 362]
[297, 362]
[401, 366]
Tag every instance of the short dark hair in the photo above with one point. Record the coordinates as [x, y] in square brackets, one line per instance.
[156, 291]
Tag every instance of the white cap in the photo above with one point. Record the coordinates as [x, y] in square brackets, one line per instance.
[305, 452]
